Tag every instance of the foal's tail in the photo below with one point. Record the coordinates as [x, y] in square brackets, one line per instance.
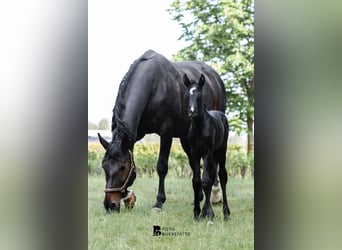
[225, 123]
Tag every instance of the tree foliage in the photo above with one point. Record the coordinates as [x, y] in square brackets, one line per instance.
[91, 126]
[221, 33]
[103, 124]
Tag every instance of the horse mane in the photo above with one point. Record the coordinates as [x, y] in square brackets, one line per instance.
[120, 99]
[123, 132]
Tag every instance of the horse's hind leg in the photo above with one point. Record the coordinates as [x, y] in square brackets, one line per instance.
[162, 169]
[223, 180]
[216, 192]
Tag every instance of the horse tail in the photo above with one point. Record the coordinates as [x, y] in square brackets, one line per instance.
[226, 126]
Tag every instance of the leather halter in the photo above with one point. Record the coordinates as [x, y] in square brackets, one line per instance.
[122, 189]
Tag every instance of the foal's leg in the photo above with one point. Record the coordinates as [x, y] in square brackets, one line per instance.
[162, 168]
[187, 149]
[196, 182]
[207, 183]
[223, 180]
[216, 191]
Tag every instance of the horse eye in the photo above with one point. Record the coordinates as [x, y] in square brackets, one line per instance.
[122, 168]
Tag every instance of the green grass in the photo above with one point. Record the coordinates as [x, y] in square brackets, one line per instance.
[132, 229]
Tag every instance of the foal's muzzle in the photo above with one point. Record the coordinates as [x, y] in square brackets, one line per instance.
[192, 111]
[192, 114]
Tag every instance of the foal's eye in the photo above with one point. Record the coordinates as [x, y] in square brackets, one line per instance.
[122, 168]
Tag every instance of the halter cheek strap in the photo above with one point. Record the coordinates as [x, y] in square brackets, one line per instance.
[124, 186]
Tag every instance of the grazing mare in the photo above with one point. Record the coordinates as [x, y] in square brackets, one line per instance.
[152, 99]
[208, 135]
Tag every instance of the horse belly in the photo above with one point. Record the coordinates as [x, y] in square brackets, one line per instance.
[200, 144]
[158, 120]
[148, 126]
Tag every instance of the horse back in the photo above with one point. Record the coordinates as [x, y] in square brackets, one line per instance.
[214, 91]
[154, 93]
[220, 125]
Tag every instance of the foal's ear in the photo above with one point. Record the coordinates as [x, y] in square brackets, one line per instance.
[201, 80]
[186, 80]
[103, 141]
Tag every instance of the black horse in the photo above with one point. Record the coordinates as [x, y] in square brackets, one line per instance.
[208, 137]
[152, 99]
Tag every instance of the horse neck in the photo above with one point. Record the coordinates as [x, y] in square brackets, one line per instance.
[130, 109]
[123, 131]
[200, 119]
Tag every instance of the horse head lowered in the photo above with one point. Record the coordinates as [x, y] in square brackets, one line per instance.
[120, 172]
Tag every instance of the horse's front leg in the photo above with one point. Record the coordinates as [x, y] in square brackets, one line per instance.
[162, 168]
[196, 181]
[187, 149]
[208, 177]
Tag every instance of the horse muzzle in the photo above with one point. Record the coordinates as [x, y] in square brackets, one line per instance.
[112, 201]
[192, 114]
[192, 111]
[112, 206]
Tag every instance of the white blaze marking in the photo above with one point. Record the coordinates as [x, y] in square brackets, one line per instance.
[192, 90]
[192, 109]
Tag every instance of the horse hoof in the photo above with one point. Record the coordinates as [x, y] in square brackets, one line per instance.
[156, 210]
[130, 200]
[216, 195]
[210, 222]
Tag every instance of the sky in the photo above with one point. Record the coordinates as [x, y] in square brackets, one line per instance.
[118, 33]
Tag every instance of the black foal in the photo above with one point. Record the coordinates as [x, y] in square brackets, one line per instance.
[208, 136]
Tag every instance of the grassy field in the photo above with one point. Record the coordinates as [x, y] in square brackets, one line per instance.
[133, 229]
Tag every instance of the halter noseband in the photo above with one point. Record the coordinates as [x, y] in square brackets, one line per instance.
[122, 189]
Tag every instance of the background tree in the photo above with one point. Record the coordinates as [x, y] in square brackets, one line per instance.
[221, 33]
[103, 124]
[91, 126]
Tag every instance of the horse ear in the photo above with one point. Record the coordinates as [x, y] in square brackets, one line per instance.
[103, 141]
[186, 80]
[201, 80]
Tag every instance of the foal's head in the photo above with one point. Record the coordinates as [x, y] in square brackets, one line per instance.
[195, 107]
